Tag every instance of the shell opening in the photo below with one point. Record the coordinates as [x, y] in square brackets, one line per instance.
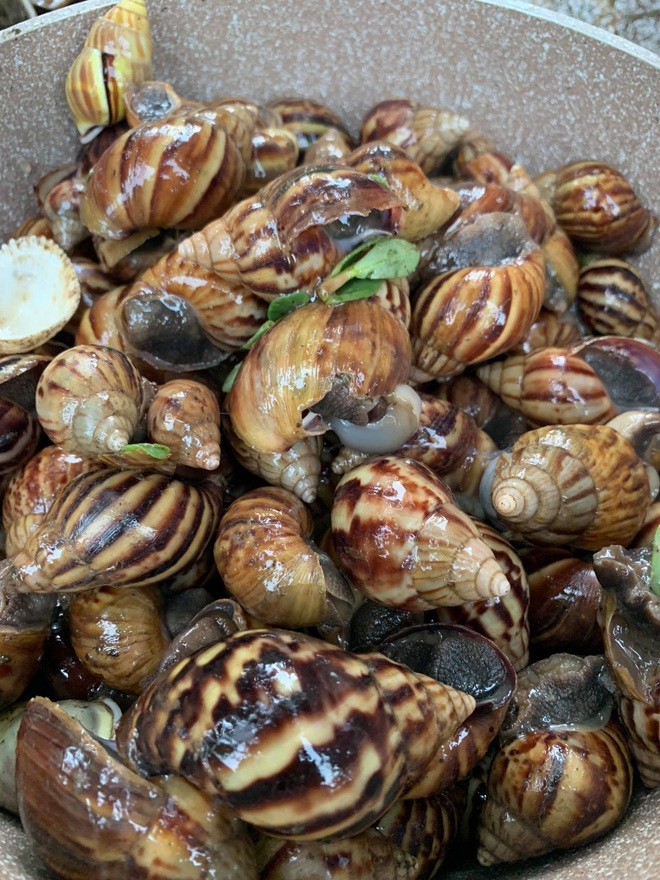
[390, 432]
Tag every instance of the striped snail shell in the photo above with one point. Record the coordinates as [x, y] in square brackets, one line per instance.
[149, 100]
[494, 265]
[19, 435]
[332, 146]
[114, 528]
[629, 618]
[555, 757]
[268, 564]
[477, 158]
[427, 134]
[59, 193]
[598, 208]
[36, 225]
[263, 701]
[117, 52]
[91, 399]
[549, 331]
[154, 828]
[403, 542]
[185, 416]
[307, 119]
[613, 299]
[274, 152]
[324, 366]
[582, 485]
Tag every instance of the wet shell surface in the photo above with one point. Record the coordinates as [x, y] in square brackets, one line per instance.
[39, 292]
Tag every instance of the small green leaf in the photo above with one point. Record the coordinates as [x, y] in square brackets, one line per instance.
[231, 378]
[260, 332]
[356, 288]
[654, 583]
[381, 179]
[153, 450]
[389, 258]
[351, 258]
[286, 304]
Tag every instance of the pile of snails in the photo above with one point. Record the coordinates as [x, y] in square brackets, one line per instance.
[320, 440]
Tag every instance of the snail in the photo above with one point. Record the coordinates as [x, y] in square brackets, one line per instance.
[19, 435]
[59, 193]
[613, 299]
[150, 100]
[477, 158]
[494, 265]
[114, 528]
[118, 634]
[33, 489]
[307, 119]
[273, 712]
[582, 485]
[562, 776]
[427, 134]
[549, 331]
[274, 152]
[91, 399]
[149, 828]
[160, 159]
[184, 416]
[24, 626]
[402, 541]
[267, 562]
[37, 225]
[598, 208]
[117, 52]
[474, 665]
[326, 366]
[332, 146]
[629, 617]
[40, 293]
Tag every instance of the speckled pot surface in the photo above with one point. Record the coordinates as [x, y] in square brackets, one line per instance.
[547, 89]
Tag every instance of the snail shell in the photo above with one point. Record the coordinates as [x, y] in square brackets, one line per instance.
[118, 634]
[115, 528]
[332, 146]
[575, 484]
[307, 119]
[267, 563]
[91, 399]
[549, 331]
[612, 299]
[270, 697]
[37, 225]
[184, 416]
[427, 134]
[274, 152]
[24, 627]
[150, 100]
[357, 350]
[477, 158]
[402, 541]
[166, 191]
[59, 193]
[19, 435]
[117, 52]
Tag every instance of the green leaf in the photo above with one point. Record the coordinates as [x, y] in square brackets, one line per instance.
[260, 332]
[154, 450]
[351, 258]
[381, 179]
[286, 304]
[356, 288]
[231, 378]
[654, 583]
[391, 258]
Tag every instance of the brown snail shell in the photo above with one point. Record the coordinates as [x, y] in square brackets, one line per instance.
[284, 694]
[598, 208]
[477, 158]
[574, 484]
[147, 101]
[505, 289]
[40, 293]
[549, 331]
[117, 52]
[551, 766]
[356, 350]
[150, 828]
[427, 134]
[274, 152]
[24, 627]
[37, 225]
[307, 119]
[59, 193]
[612, 299]
[185, 416]
[504, 619]
[402, 541]
[91, 399]
[332, 146]
[118, 634]
[267, 563]
[19, 435]
[115, 528]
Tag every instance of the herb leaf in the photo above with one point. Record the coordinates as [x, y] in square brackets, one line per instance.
[654, 580]
[390, 258]
[352, 257]
[260, 332]
[231, 377]
[381, 179]
[356, 288]
[286, 304]
[153, 450]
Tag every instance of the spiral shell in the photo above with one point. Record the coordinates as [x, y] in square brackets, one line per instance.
[307, 119]
[150, 100]
[264, 556]
[403, 542]
[598, 209]
[578, 484]
[271, 699]
[160, 159]
[274, 152]
[91, 399]
[612, 299]
[427, 134]
[59, 195]
[24, 627]
[115, 528]
[549, 331]
[118, 634]
[357, 346]
[19, 435]
[477, 158]
[184, 416]
[117, 52]
[37, 225]
[505, 296]
[332, 146]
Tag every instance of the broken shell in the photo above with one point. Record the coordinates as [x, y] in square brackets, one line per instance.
[40, 293]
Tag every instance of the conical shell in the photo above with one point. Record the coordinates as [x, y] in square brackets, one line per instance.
[185, 416]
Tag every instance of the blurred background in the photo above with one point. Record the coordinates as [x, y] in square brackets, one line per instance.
[637, 20]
